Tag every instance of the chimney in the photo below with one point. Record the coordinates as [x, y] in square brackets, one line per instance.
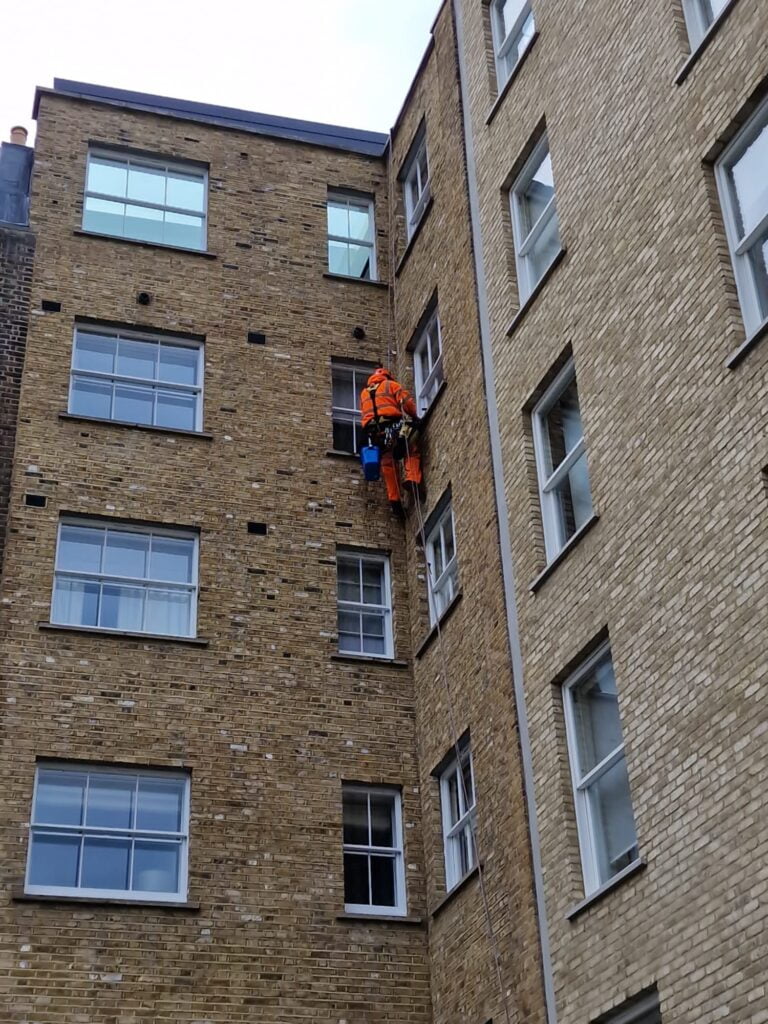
[19, 135]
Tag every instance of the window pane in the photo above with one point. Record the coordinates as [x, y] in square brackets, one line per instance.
[758, 258]
[169, 613]
[574, 499]
[156, 866]
[344, 437]
[146, 184]
[383, 881]
[546, 248]
[59, 797]
[510, 12]
[79, 549]
[360, 261]
[178, 364]
[563, 425]
[103, 216]
[106, 176]
[349, 581]
[175, 409]
[105, 863]
[54, 860]
[613, 820]
[373, 583]
[349, 632]
[343, 389]
[382, 821]
[75, 603]
[356, 818]
[126, 554]
[596, 715]
[121, 607]
[91, 398]
[137, 359]
[144, 223]
[468, 792]
[338, 219]
[171, 559]
[110, 801]
[360, 223]
[750, 183]
[133, 404]
[95, 352]
[184, 230]
[537, 193]
[356, 878]
[186, 191]
[437, 558]
[454, 807]
[373, 643]
[338, 258]
[160, 804]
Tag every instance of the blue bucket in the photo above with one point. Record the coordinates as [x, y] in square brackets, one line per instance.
[370, 458]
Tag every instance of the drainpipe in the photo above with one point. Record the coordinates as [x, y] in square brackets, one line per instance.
[507, 564]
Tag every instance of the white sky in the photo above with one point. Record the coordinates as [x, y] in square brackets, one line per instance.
[346, 62]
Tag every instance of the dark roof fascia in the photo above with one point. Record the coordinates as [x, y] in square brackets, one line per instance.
[293, 130]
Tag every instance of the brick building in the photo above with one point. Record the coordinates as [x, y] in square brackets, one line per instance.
[255, 768]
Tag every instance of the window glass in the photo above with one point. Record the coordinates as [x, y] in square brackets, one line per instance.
[374, 878]
[750, 183]
[364, 613]
[351, 249]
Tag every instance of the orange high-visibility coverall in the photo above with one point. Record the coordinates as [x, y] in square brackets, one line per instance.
[392, 402]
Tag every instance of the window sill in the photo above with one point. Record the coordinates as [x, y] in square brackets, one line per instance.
[355, 280]
[335, 453]
[564, 552]
[147, 245]
[746, 347]
[366, 659]
[57, 627]
[412, 240]
[521, 313]
[381, 919]
[628, 872]
[136, 426]
[711, 32]
[19, 896]
[428, 640]
[432, 405]
[508, 84]
[459, 887]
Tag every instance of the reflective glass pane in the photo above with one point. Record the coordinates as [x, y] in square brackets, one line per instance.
[454, 808]
[563, 425]
[90, 398]
[423, 167]
[146, 184]
[373, 583]
[344, 437]
[356, 818]
[126, 554]
[79, 549]
[546, 248]
[349, 631]
[356, 879]
[436, 550]
[758, 258]
[137, 358]
[510, 12]
[596, 715]
[373, 627]
[107, 176]
[110, 801]
[172, 559]
[176, 409]
[574, 499]
[160, 804]
[373, 644]
[338, 219]
[105, 863]
[178, 364]
[186, 191]
[156, 866]
[184, 230]
[144, 223]
[538, 193]
[349, 581]
[450, 550]
[349, 642]
[59, 797]
[103, 216]
[468, 792]
[343, 390]
[95, 352]
[382, 821]
[360, 222]
[360, 260]
[750, 183]
[54, 860]
[169, 612]
[383, 881]
[121, 607]
[338, 258]
[75, 603]
[613, 820]
[434, 343]
[133, 404]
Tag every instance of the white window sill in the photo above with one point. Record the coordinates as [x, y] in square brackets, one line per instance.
[63, 627]
[521, 313]
[457, 888]
[746, 347]
[507, 85]
[369, 659]
[355, 280]
[391, 914]
[414, 235]
[563, 553]
[628, 872]
[703, 43]
[147, 245]
[18, 895]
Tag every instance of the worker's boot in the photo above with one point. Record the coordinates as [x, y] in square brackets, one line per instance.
[397, 509]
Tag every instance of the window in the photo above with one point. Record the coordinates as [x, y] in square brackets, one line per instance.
[351, 239]
[513, 29]
[441, 559]
[700, 15]
[561, 462]
[136, 379]
[364, 605]
[604, 815]
[148, 200]
[457, 799]
[374, 874]
[416, 184]
[645, 1010]
[428, 363]
[108, 832]
[534, 220]
[743, 186]
[125, 578]
[348, 380]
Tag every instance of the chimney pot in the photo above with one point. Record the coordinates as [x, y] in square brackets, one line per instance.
[19, 135]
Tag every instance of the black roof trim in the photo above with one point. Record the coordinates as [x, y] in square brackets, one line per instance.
[329, 135]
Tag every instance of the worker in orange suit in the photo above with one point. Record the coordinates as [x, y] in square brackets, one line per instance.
[389, 416]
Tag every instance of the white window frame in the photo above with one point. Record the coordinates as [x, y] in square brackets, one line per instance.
[739, 246]
[698, 20]
[347, 554]
[125, 526]
[589, 842]
[452, 833]
[504, 44]
[442, 589]
[140, 382]
[525, 241]
[141, 896]
[341, 414]
[339, 197]
[554, 538]
[412, 176]
[182, 167]
[396, 852]
[436, 376]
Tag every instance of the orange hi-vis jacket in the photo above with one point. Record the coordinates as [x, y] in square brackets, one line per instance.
[392, 401]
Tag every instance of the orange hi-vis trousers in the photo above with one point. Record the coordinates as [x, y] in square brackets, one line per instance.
[412, 463]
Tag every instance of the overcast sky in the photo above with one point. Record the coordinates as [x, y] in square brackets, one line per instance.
[347, 62]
